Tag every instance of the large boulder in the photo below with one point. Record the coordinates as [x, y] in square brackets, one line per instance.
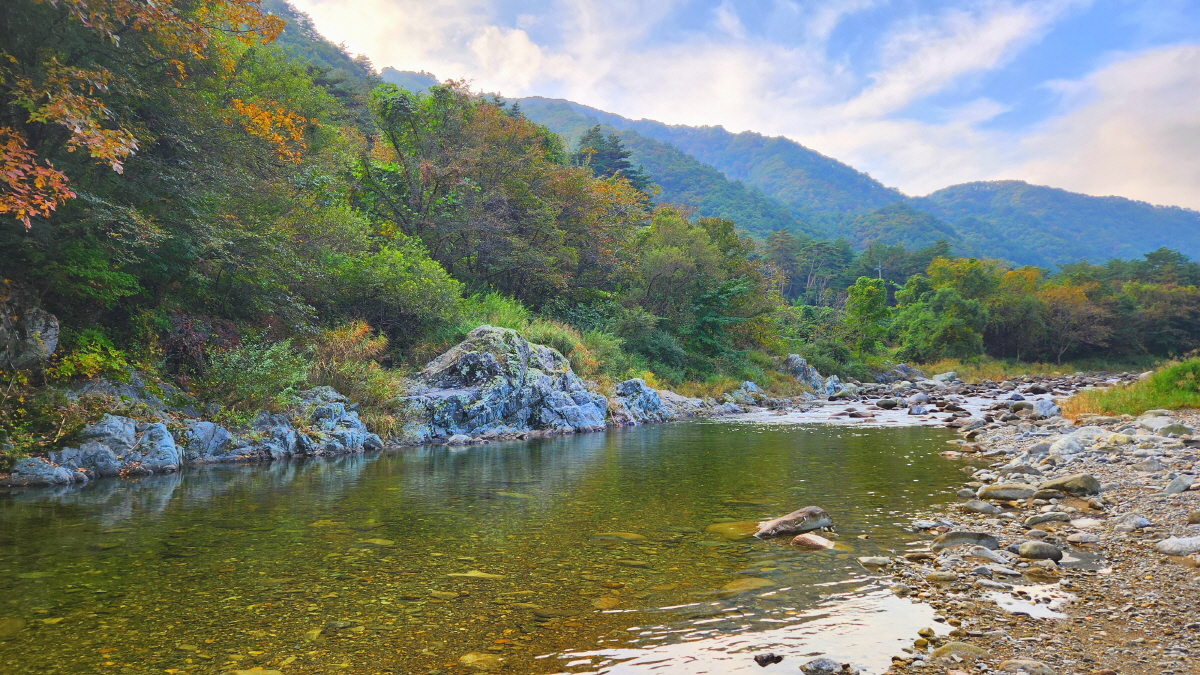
[797, 367]
[37, 471]
[28, 333]
[635, 403]
[118, 445]
[1079, 484]
[332, 425]
[497, 382]
[900, 373]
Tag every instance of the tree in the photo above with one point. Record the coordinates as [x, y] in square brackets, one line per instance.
[1073, 319]
[866, 314]
[935, 323]
[606, 156]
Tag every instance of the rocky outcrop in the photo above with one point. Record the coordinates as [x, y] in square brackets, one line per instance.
[797, 367]
[495, 383]
[28, 333]
[122, 446]
[636, 402]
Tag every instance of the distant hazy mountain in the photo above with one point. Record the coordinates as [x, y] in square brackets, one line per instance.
[769, 183]
[407, 79]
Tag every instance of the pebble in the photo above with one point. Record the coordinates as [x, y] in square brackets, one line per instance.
[1026, 666]
[1039, 550]
[1083, 538]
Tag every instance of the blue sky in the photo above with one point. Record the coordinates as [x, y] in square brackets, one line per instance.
[1097, 96]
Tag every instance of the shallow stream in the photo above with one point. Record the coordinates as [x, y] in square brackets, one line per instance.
[613, 552]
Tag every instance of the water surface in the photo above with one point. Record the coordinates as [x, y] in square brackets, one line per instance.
[589, 553]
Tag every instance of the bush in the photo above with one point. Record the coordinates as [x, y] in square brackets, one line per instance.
[88, 353]
[256, 375]
[346, 359]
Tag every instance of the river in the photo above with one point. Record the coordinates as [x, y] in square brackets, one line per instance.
[616, 552]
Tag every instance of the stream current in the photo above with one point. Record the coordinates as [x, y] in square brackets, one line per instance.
[615, 552]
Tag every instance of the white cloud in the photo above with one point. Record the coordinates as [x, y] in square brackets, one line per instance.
[1133, 129]
[1130, 128]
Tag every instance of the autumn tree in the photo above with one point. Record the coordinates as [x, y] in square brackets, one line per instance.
[1072, 319]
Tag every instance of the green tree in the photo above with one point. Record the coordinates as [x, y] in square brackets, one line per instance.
[606, 156]
[867, 314]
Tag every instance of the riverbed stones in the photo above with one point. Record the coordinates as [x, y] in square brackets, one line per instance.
[746, 585]
[480, 661]
[941, 577]
[1080, 484]
[980, 506]
[496, 381]
[811, 541]
[1039, 550]
[1083, 538]
[10, 626]
[824, 666]
[1129, 522]
[1050, 517]
[961, 538]
[874, 561]
[1007, 492]
[1180, 483]
[799, 521]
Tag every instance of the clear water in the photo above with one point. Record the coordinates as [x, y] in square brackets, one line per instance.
[588, 553]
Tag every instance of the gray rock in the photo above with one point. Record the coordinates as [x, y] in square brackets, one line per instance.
[1129, 522]
[1065, 446]
[980, 506]
[38, 471]
[966, 493]
[1050, 517]
[1021, 469]
[900, 373]
[801, 520]
[823, 666]
[1149, 466]
[333, 428]
[957, 538]
[636, 403]
[1006, 491]
[832, 385]
[1181, 483]
[918, 398]
[94, 459]
[496, 381]
[797, 367]
[1079, 484]
[1174, 430]
[946, 377]
[1039, 550]
[206, 442]
[1083, 538]
[1178, 546]
[1025, 667]
[28, 333]
[118, 433]
[888, 403]
[917, 410]
[1046, 408]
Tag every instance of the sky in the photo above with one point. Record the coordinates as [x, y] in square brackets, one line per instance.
[1094, 96]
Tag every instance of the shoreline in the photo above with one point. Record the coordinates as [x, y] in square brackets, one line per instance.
[1113, 604]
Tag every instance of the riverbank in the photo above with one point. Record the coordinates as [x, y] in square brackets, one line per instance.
[1109, 498]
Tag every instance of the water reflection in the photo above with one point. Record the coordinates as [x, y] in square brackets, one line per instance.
[523, 556]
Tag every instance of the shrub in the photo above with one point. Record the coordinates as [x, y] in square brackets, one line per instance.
[253, 376]
[88, 353]
[346, 359]
[1173, 387]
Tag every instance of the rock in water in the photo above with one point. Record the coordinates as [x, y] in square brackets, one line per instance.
[952, 539]
[822, 667]
[496, 381]
[811, 541]
[767, 659]
[746, 585]
[1007, 491]
[796, 522]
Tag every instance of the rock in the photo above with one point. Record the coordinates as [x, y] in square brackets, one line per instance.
[1066, 446]
[1174, 430]
[874, 561]
[118, 433]
[1083, 538]
[1025, 667]
[733, 530]
[480, 661]
[957, 538]
[811, 541]
[1049, 494]
[28, 333]
[1129, 522]
[941, 577]
[746, 585]
[1181, 483]
[636, 403]
[1178, 546]
[37, 471]
[748, 393]
[963, 650]
[1052, 516]
[797, 367]
[475, 574]
[966, 493]
[917, 410]
[1039, 550]
[980, 506]
[1193, 517]
[155, 452]
[796, 522]
[496, 381]
[1046, 408]
[822, 666]
[1080, 484]
[832, 385]
[919, 398]
[1149, 466]
[1007, 491]
[331, 427]
[206, 442]
[888, 403]
[768, 659]
[96, 460]
[10, 626]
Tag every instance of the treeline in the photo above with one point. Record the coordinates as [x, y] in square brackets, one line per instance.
[216, 194]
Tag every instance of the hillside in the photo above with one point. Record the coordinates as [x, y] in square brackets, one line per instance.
[1041, 225]
[801, 179]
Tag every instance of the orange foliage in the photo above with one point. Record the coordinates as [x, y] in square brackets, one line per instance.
[274, 124]
[33, 190]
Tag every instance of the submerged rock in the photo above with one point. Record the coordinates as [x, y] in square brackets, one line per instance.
[496, 381]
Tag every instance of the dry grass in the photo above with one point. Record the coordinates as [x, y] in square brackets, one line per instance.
[345, 359]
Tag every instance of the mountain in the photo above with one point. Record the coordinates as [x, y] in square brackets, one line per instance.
[770, 183]
[1040, 225]
[407, 79]
[803, 180]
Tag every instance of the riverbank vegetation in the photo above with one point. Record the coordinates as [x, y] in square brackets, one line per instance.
[1176, 386]
[211, 193]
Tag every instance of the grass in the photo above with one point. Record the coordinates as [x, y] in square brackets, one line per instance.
[1174, 387]
[979, 369]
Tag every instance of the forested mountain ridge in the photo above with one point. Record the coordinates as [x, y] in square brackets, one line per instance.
[802, 179]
